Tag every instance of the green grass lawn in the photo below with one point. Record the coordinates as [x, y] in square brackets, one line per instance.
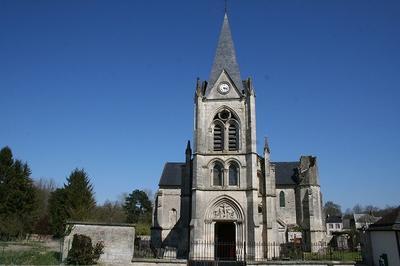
[334, 255]
[35, 256]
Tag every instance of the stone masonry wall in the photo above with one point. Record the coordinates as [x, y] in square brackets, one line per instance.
[118, 240]
[287, 213]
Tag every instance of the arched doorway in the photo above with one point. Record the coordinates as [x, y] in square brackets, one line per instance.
[224, 229]
[225, 241]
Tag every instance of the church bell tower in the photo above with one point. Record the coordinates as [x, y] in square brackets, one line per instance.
[225, 183]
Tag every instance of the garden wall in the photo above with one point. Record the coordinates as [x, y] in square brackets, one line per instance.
[118, 240]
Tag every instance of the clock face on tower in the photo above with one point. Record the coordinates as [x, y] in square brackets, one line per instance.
[224, 87]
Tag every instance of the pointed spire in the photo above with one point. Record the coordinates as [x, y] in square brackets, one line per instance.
[266, 145]
[188, 152]
[225, 58]
[188, 149]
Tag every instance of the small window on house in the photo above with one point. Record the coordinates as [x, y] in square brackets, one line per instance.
[330, 226]
[233, 174]
[282, 199]
[218, 138]
[337, 226]
[218, 174]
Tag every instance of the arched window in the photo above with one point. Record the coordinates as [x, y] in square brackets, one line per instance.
[218, 137]
[172, 217]
[282, 199]
[226, 131]
[218, 174]
[233, 137]
[311, 201]
[233, 174]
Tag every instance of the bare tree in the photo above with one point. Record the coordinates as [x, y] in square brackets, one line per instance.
[332, 209]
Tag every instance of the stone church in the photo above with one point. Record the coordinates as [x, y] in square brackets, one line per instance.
[225, 192]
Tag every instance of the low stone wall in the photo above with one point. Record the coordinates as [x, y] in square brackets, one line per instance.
[302, 263]
[154, 262]
[118, 240]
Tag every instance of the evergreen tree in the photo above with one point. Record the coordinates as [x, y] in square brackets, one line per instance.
[75, 201]
[138, 207]
[17, 196]
[58, 211]
[80, 196]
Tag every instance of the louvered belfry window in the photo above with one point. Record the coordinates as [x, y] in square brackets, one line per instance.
[232, 137]
[223, 120]
[218, 138]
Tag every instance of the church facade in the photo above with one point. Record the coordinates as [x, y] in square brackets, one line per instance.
[225, 192]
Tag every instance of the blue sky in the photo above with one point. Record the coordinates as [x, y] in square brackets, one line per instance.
[108, 86]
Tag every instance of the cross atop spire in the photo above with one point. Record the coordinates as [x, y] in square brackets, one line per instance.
[225, 58]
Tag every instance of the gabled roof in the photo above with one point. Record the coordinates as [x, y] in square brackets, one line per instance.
[333, 219]
[285, 172]
[365, 218]
[225, 59]
[390, 221]
[171, 175]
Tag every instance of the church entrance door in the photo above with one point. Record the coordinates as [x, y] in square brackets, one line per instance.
[225, 241]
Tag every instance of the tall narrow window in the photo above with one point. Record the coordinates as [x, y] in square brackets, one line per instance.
[282, 199]
[233, 174]
[225, 131]
[218, 138]
[311, 202]
[218, 174]
[260, 183]
[232, 137]
[172, 217]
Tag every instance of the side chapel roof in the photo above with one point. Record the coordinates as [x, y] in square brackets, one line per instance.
[285, 172]
[171, 175]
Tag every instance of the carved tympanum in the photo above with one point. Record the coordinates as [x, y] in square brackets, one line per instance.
[224, 211]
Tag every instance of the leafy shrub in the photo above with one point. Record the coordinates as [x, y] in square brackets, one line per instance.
[142, 229]
[82, 252]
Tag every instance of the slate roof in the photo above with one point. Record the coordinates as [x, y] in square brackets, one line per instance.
[390, 221]
[333, 219]
[225, 58]
[365, 218]
[171, 175]
[285, 172]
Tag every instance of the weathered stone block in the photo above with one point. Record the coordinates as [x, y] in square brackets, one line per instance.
[118, 240]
